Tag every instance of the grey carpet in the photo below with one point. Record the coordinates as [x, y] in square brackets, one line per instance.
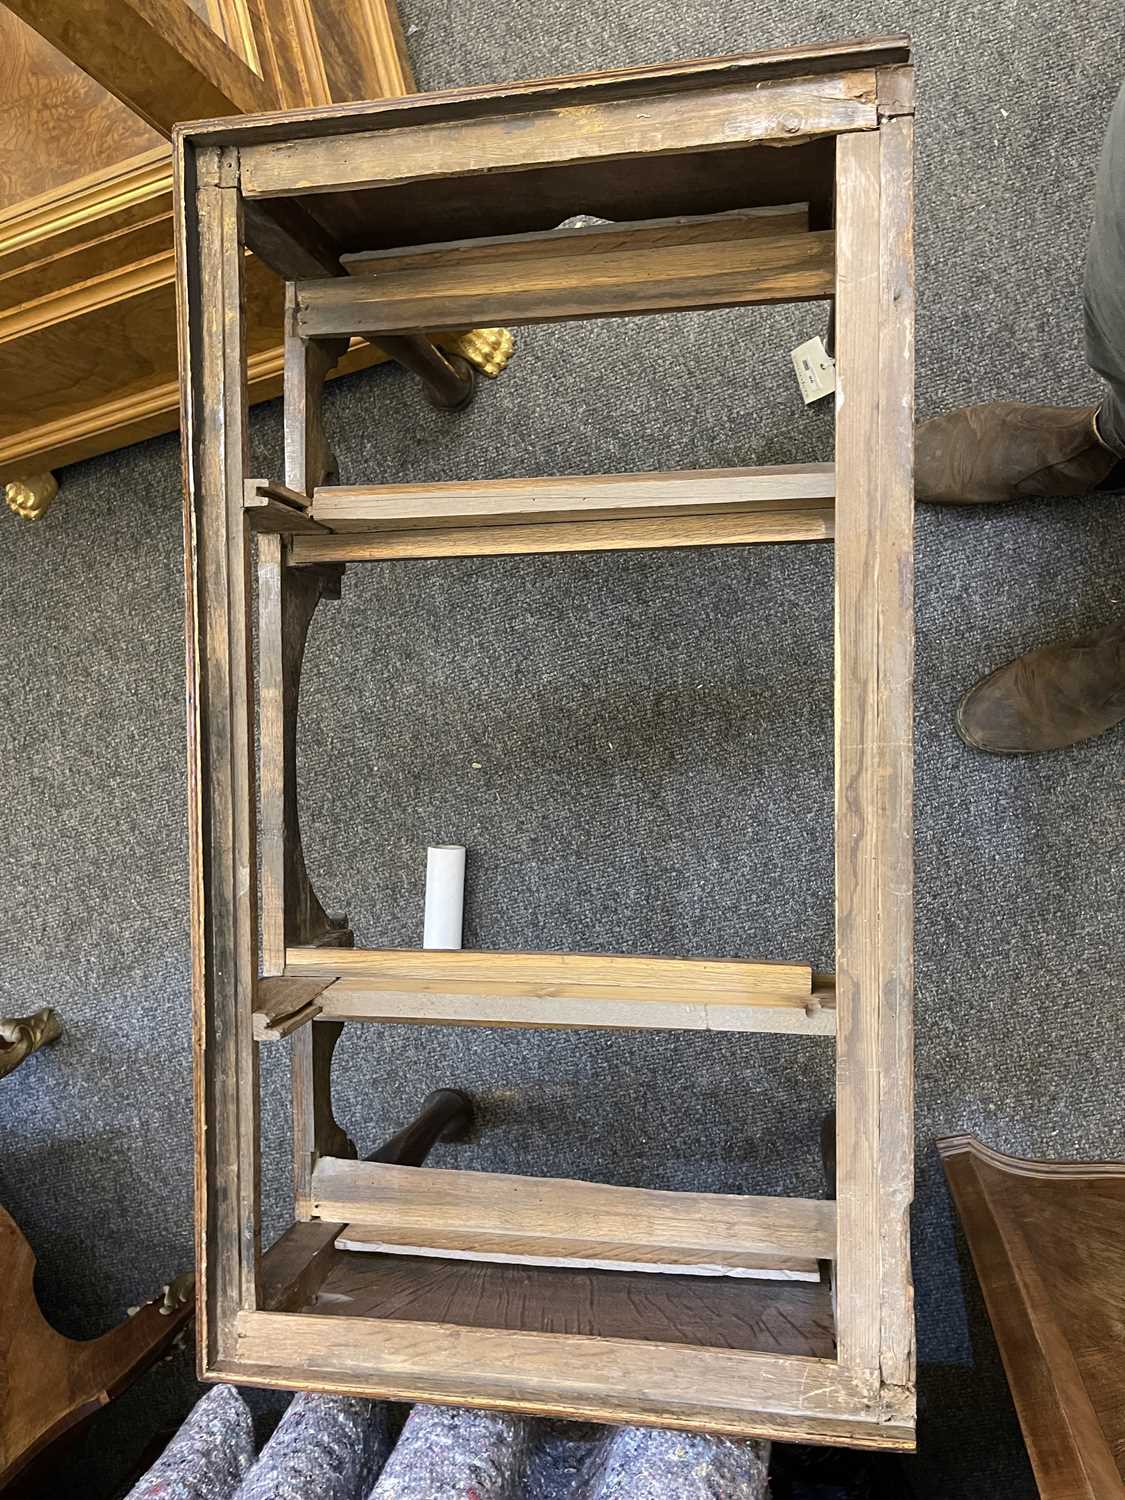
[635, 748]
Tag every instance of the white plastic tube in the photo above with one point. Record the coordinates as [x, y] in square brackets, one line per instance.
[445, 896]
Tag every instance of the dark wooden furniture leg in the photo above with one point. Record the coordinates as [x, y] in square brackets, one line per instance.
[446, 1115]
[449, 379]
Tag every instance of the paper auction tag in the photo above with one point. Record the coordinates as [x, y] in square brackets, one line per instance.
[816, 370]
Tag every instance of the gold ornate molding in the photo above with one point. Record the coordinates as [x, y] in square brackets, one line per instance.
[104, 202]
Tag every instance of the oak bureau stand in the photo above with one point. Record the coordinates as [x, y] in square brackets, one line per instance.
[782, 176]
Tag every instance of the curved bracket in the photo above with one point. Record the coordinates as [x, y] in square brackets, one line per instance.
[52, 1383]
[291, 912]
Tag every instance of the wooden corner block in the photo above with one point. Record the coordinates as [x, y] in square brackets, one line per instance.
[281, 1005]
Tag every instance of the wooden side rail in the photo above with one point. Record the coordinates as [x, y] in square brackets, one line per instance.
[704, 119]
[574, 512]
[559, 990]
[572, 497]
[555, 1249]
[724, 260]
[440, 1201]
[810, 521]
[561, 975]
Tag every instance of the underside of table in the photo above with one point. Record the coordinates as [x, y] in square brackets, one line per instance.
[771, 177]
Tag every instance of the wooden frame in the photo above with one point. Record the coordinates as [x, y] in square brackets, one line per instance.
[677, 146]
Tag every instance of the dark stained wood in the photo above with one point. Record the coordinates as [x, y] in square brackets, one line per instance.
[1048, 1243]
[49, 1383]
[653, 144]
[446, 1114]
[316, 1132]
[273, 507]
[536, 200]
[282, 1005]
[449, 381]
[221, 769]
[296, 1264]
[308, 363]
[449, 105]
[287, 601]
[579, 274]
[708, 119]
[708, 1312]
[290, 240]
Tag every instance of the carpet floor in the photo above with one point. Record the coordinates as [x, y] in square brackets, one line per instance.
[635, 748]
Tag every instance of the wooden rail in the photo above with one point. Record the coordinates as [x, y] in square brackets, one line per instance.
[689, 1226]
[722, 260]
[565, 989]
[573, 497]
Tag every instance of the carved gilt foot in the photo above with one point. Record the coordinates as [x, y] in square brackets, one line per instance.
[488, 349]
[19, 1038]
[32, 496]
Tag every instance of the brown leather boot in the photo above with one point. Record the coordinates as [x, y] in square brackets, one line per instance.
[1048, 699]
[1005, 451]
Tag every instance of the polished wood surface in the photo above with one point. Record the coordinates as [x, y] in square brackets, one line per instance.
[1048, 1243]
[43, 96]
[49, 1383]
[87, 274]
[337, 180]
[157, 56]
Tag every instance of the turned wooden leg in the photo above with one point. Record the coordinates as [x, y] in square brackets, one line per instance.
[32, 496]
[19, 1038]
[446, 1115]
[449, 380]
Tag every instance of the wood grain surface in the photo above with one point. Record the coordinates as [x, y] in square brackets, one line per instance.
[715, 261]
[1048, 1243]
[773, 1318]
[731, 1391]
[525, 1249]
[563, 975]
[874, 673]
[812, 522]
[441, 1200]
[591, 497]
[45, 98]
